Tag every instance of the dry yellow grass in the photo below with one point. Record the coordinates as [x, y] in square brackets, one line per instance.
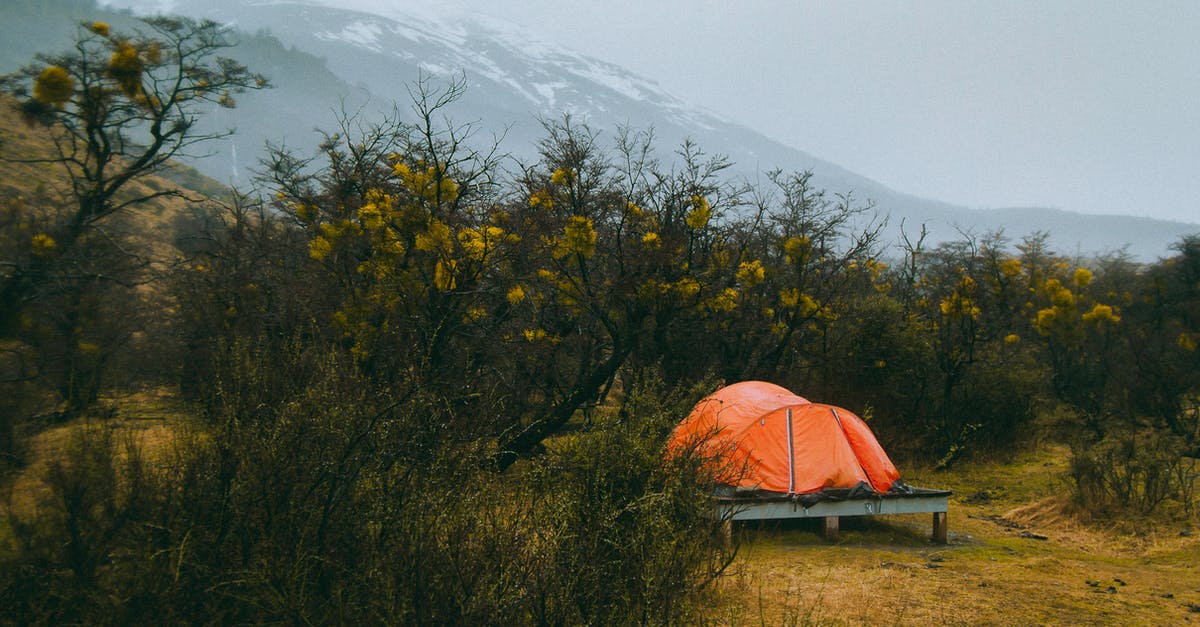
[149, 420]
[996, 569]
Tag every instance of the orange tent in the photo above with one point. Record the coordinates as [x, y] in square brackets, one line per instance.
[772, 440]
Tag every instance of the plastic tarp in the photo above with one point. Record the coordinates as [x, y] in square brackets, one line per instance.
[770, 439]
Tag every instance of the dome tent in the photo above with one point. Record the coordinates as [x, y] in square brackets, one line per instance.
[771, 440]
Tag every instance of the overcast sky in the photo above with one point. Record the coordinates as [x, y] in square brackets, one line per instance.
[1091, 106]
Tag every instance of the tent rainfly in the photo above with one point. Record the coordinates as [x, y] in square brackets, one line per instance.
[779, 450]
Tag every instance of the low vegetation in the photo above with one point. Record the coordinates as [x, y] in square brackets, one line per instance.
[409, 382]
[1019, 552]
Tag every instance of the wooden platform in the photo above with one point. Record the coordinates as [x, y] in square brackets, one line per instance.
[782, 506]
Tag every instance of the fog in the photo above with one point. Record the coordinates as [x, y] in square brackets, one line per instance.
[1085, 106]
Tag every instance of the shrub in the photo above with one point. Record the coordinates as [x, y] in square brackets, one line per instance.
[1133, 469]
[632, 536]
[347, 504]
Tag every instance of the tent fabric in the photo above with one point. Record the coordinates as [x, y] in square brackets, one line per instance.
[770, 439]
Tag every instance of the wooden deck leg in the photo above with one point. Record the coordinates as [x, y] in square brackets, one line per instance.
[939, 527]
[831, 528]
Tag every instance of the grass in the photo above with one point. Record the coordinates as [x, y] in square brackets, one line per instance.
[150, 419]
[1017, 551]
[996, 568]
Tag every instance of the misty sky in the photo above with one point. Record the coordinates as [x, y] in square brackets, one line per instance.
[1090, 106]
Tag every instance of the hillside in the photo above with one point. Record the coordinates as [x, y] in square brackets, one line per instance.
[152, 227]
[324, 60]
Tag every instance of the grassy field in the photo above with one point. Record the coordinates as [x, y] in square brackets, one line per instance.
[148, 419]
[1015, 556]
[1016, 553]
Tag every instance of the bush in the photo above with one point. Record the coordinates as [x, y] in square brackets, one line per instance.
[347, 505]
[633, 537]
[1133, 469]
[63, 553]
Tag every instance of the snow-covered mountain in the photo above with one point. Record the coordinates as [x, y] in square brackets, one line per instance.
[333, 58]
[513, 78]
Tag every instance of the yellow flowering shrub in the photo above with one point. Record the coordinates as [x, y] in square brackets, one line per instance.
[724, 301]
[1010, 268]
[1058, 294]
[803, 304]
[580, 235]
[808, 306]
[541, 198]
[1101, 314]
[43, 245]
[1082, 277]
[562, 177]
[685, 287]
[538, 335]
[319, 248]
[700, 213]
[370, 216]
[1044, 322]
[960, 303]
[126, 67]
[435, 239]
[54, 86]
[426, 183]
[478, 244]
[516, 295]
[797, 249]
[751, 273]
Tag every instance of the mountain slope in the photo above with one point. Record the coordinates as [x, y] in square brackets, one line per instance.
[152, 227]
[325, 59]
